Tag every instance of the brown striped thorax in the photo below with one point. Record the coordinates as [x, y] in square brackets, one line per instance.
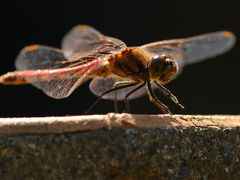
[118, 72]
[134, 62]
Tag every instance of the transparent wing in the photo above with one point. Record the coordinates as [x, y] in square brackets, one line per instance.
[100, 85]
[47, 69]
[193, 49]
[84, 40]
[57, 89]
[61, 88]
[39, 57]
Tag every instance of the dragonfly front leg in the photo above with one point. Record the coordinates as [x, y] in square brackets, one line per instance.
[155, 100]
[168, 94]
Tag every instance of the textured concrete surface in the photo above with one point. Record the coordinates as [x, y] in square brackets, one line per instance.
[123, 153]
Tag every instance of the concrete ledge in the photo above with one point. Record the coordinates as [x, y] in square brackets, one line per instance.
[54, 125]
[120, 146]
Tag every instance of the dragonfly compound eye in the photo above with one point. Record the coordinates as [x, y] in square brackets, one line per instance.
[162, 68]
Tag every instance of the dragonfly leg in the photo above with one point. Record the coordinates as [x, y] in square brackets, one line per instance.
[168, 94]
[127, 104]
[115, 102]
[120, 84]
[130, 83]
[155, 100]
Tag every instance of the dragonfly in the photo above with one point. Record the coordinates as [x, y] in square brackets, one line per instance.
[118, 72]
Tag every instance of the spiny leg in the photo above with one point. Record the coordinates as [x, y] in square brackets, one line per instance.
[155, 100]
[115, 102]
[168, 94]
[119, 84]
[109, 91]
[128, 94]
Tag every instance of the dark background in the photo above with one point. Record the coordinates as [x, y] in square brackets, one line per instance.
[209, 87]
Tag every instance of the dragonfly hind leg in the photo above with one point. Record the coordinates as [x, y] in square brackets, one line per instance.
[116, 87]
[122, 84]
[131, 92]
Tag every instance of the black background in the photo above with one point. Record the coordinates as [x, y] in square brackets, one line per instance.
[210, 87]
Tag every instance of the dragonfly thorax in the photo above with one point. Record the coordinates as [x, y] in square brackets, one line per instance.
[130, 63]
[162, 68]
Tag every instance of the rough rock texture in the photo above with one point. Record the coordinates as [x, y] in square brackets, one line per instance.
[123, 153]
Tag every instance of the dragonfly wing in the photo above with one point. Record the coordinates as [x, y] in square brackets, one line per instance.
[100, 85]
[194, 49]
[57, 88]
[54, 74]
[84, 40]
[64, 86]
[39, 57]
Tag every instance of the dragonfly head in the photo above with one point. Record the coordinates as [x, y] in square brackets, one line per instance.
[162, 68]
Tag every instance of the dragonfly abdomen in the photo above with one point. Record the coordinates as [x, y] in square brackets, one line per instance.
[40, 75]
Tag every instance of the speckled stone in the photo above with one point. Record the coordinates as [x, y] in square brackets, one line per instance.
[123, 154]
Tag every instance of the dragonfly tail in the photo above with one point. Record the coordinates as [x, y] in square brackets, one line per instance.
[12, 78]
